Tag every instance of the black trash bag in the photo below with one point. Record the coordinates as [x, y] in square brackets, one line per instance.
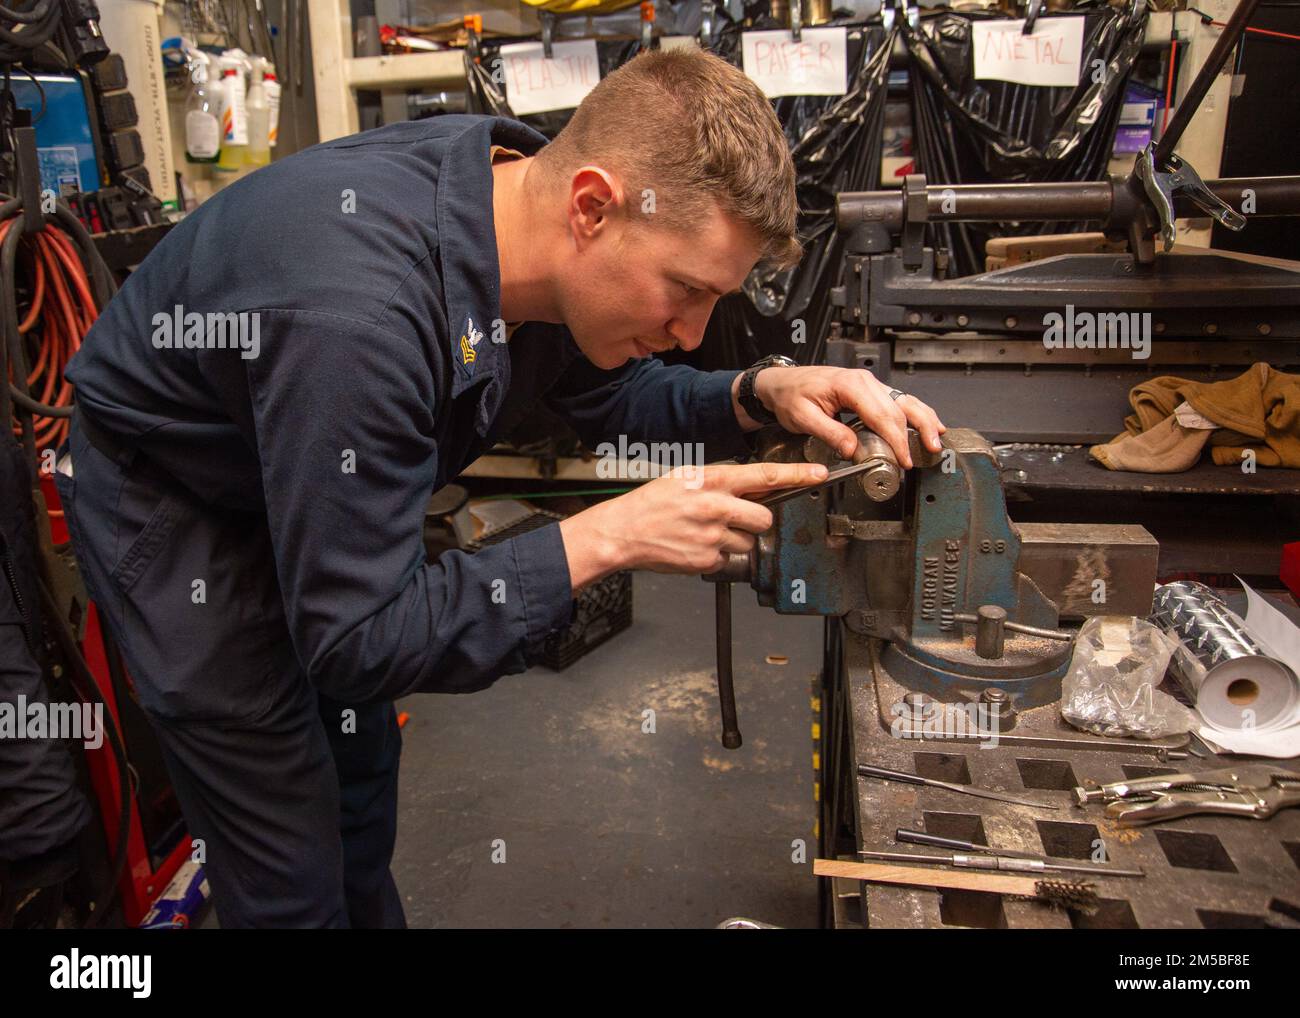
[974, 132]
[487, 94]
[835, 142]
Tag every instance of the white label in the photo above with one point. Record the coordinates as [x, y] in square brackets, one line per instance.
[202, 134]
[671, 42]
[536, 85]
[816, 65]
[1051, 56]
[1137, 114]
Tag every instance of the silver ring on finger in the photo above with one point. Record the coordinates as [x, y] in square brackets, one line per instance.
[894, 394]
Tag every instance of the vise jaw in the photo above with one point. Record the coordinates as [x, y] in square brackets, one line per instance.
[964, 600]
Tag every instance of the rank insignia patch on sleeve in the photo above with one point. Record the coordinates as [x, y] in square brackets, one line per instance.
[470, 338]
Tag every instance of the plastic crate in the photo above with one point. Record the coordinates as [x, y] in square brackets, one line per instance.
[600, 611]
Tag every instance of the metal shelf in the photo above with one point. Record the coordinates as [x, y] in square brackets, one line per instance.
[339, 75]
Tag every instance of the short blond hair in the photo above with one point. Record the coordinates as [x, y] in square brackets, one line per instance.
[691, 128]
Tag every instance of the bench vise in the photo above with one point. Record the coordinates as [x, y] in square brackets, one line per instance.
[966, 604]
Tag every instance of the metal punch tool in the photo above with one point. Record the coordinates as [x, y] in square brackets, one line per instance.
[834, 477]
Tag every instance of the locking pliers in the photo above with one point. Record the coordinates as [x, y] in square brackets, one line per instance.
[1252, 790]
[1165, 185]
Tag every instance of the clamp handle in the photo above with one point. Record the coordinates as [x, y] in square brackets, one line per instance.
[1170, 805]
[1179, 179]
[726, 688]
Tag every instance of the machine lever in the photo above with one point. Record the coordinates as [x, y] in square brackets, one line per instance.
[726, 688]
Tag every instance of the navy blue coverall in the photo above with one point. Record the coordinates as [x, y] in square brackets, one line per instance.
[250, 526]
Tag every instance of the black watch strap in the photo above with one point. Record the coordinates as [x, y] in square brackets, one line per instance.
[748, 398]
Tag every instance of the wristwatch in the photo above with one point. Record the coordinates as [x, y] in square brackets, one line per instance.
[748, 399]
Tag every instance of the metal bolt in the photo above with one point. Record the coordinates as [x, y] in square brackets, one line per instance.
[1264, 328]
[1211, 328]
[963, 320]
[1000, 706]
[914, 319]
[989, 632]
[1011, 321]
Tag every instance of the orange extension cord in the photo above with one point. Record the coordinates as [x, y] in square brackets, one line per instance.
[64, 309]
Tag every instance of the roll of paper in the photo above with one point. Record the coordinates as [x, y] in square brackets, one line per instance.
[1231, 678]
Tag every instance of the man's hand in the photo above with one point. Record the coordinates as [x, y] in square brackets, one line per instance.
[686, 522]
[806, 401]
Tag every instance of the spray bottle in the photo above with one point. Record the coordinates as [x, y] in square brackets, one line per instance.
[259, 116]
[234, 114]
[272, 88]
[202, 123]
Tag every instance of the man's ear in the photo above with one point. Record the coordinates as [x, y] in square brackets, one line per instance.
[595, 195]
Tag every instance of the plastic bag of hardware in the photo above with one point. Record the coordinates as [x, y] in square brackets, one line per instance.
[1110, 688]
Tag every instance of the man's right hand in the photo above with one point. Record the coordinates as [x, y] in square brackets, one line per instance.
[688, 521]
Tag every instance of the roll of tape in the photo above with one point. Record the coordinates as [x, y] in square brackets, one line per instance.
[1231, 679]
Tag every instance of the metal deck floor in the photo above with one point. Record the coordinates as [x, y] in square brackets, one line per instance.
[603, 825]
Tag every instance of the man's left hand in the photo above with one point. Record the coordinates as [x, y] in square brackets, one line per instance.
[806, 401]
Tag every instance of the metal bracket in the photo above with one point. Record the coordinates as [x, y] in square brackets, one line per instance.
[796, 20]
[28, 169]
[20, 141]
[707, 9]
[916, 212]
